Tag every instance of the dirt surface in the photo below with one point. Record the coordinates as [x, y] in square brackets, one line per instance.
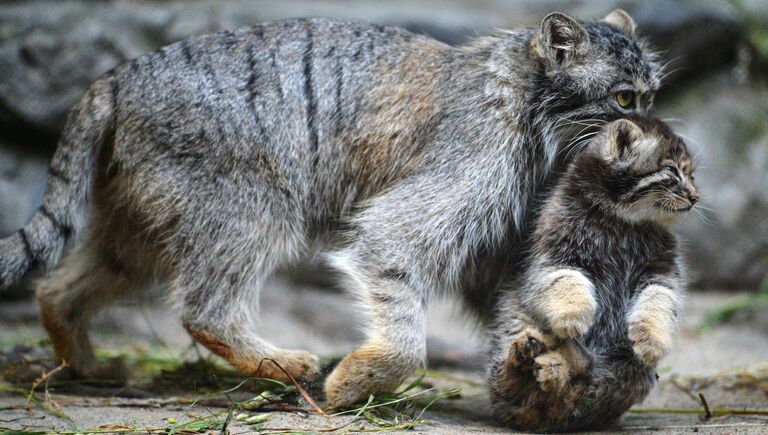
[170, 379]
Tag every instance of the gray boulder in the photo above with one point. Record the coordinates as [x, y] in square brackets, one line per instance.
[22, 184]
[694, 37]
[50, 51]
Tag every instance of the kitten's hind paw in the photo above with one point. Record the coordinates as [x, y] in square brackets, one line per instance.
[527, 345]
[551, 371]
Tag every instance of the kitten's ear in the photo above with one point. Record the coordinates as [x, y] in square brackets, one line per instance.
[621, 20]
[561, 39]
[622, 135]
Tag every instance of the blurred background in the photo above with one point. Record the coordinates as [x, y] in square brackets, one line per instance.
[716, 96]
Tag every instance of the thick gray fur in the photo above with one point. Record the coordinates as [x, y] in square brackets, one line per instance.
[212, 162]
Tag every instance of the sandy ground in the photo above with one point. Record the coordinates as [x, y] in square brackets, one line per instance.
[728, 364]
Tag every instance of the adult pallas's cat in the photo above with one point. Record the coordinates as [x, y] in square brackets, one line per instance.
[212, 162]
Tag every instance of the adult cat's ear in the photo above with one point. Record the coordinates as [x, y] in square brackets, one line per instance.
[622, 135]
[561, 39]
[621, 20]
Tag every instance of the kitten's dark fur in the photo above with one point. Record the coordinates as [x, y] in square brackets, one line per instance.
[598, 304]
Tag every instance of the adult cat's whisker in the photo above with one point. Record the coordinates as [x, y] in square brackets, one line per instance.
[663, 67]
[667, 74]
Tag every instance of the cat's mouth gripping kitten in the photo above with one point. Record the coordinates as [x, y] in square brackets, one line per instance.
[580, 334]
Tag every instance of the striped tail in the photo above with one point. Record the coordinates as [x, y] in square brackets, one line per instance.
[42, 241]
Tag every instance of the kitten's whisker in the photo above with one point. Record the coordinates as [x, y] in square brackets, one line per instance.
[702, 217]
[705, 208]
[689, 139]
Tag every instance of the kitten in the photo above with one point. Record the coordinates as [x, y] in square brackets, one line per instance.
[211, 163]
[598, 304]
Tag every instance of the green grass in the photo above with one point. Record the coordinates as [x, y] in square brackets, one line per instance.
[743, 306]
[198, 384]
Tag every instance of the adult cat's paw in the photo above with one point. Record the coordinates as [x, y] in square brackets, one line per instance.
[114, 371]
[570, 305]
[368, 370]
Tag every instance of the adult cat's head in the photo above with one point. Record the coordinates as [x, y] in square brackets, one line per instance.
[594, 69]
[564, 78]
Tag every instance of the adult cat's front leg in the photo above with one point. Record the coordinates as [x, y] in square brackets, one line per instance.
[396, 332]
[652, 321]
[563, 298]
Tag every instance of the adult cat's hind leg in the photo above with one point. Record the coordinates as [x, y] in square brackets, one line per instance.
[85, 281]
[229, 332]
[227, 257]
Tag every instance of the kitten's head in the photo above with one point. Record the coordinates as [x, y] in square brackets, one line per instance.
[596, 70]
[639, 169]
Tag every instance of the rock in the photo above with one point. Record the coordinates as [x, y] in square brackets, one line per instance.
[726, 124]
[694, 37]
[22, 184]
[50, 51]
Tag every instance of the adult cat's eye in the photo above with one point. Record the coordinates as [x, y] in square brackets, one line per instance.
[625, 98]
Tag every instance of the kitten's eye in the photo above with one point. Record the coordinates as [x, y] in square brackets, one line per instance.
[671, 168]
[625, 98]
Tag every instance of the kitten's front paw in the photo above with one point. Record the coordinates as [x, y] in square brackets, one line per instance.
[368, 370]
[571, 307]
[650, 341]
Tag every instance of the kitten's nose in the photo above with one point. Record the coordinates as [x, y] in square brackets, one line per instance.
[693, 197]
